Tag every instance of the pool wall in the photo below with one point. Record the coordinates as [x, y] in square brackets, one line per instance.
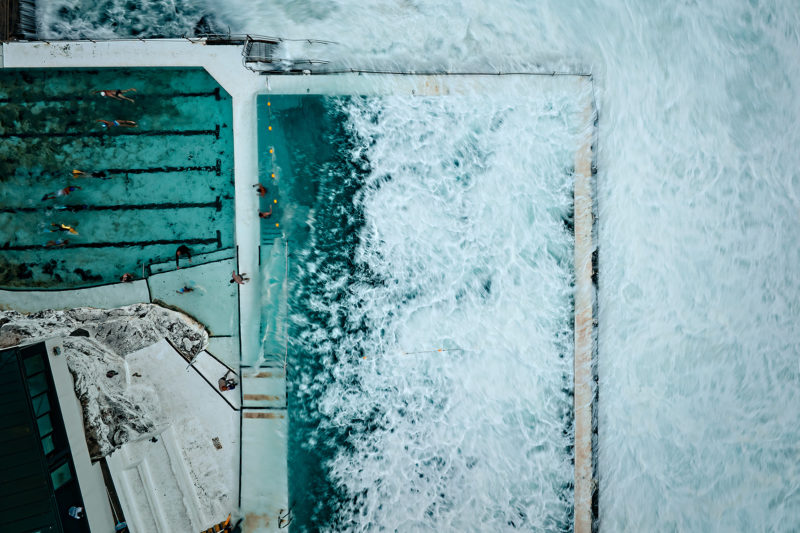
[224, 63]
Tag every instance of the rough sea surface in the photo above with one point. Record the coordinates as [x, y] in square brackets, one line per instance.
[699, 195]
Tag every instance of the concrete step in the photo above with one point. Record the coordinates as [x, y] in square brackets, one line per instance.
[265, 492]
[199, 259]
[153, 501]
[264, 388]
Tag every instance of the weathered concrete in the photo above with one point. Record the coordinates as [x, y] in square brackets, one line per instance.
[584, 323]
[101, 297]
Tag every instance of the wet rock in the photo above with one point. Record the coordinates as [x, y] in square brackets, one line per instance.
[95, 343]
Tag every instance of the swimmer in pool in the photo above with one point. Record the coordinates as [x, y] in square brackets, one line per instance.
[64, 227]
[116, 94]
[184, 289]
[260, 189]
[81, 174]
[72, 208]
[58, 243]
[265, 214]
[116, 123]
[61, 192]
[182, 250]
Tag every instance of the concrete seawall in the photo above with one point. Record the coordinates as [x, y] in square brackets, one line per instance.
[585, 294]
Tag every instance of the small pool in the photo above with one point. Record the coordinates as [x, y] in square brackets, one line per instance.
[145, 190]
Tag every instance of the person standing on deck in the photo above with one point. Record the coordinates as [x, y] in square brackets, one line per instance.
[241, 279]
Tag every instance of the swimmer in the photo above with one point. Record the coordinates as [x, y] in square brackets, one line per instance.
[182, 250]
[116, 94]
[61, 192]
[184, 289]
[82, 174]
[117, 123]
[265, 214]
[58, 243]
[241, 279]
[126, 278]
[64, 227]
[260, 189]
[72, 208]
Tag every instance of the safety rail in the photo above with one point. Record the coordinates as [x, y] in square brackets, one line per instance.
[258, 55]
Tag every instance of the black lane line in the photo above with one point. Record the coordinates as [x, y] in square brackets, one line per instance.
[74, 208]
[119, 132]
[215, 93]
[217, 168]
[102, 173]
[120, 244]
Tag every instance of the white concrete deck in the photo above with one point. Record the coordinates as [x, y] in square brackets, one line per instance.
[102, 297]
[90, 476]
[182, 482]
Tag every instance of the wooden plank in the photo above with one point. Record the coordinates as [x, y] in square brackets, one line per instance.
[262, 415]
[261, 398]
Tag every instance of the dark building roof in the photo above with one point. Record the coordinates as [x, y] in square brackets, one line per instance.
[37, 477]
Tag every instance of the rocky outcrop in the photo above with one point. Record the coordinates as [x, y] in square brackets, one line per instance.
[122, 330]
[116, 410]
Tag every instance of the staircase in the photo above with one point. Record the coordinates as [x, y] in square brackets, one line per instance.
[264, 475]
[155, 502]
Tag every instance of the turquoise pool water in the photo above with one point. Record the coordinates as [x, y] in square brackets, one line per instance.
[148, 189]
[299, 143]
[310, 159]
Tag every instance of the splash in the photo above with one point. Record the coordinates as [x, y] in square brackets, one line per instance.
[462, 242]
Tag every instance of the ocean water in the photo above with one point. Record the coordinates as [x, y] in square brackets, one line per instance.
[699, 198]
[431, 360]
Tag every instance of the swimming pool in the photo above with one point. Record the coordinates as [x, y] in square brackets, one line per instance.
[145, 190]
[409, 238]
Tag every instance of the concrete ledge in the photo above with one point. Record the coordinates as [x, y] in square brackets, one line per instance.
[584, 322]
[90, 476]
[102, 297]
